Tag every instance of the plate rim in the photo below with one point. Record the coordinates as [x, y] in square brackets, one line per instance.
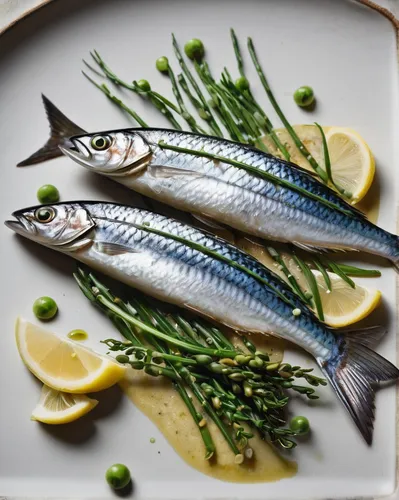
[385, 12]
[388, 14]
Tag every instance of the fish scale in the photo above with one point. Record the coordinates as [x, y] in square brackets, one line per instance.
[261, 300]
[174, 227]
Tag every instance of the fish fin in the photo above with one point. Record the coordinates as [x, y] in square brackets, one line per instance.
[368, 336]
[207, 221]
[199, 312]
[254, 240]
[310, 248]
[112, 248]
[165, 172]
[77, 246]
[354, 371]
[61, 129]
[315, 249]
[212, 318]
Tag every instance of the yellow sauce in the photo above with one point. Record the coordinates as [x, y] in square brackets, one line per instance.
[370, 204]
[78, 335]
[157, 399]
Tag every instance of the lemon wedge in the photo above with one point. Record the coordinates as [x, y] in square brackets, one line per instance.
[62, 364]
[352, 162]
[344, 305]
[56, 407]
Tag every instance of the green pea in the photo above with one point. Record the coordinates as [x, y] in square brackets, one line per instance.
[118, 476]
[162, 64]
[300, 425]
[45, 308]
[242, 84]
[48, 194]
[194, 49]
[304, 96]
[144, 85]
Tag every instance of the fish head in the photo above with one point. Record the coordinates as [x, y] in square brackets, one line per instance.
[59, 225]
[109, 153]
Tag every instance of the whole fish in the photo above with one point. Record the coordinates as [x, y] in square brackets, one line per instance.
[266, 197]
[183, 265]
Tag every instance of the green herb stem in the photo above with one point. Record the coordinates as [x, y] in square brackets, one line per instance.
[302, 148]
[212, 122]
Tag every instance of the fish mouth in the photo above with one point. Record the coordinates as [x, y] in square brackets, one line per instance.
[21, 225]
[78, 152]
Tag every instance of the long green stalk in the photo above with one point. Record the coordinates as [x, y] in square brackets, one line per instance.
[327, 163]
[311, 280]
[182, 107]
[249, 98]
[160, 102]
[105, 90]
[212, 122]
[291, 279]
[221, 353]
[194, 101]
[302, 148]
[198, 418]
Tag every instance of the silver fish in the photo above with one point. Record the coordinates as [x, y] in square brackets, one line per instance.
[183, 265]
[242, 199]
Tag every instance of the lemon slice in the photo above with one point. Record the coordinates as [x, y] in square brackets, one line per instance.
[352, 162]
[343, 305]
[55, 407]
[62, 364]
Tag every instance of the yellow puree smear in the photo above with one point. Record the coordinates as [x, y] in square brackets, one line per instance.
[157, 399]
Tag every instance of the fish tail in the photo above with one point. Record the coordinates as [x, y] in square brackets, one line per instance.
[354, 370]
[61, 128]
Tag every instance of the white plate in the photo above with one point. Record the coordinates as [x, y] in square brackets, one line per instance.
[347, 53]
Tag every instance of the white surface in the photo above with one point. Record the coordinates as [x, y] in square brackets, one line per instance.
[347, 53]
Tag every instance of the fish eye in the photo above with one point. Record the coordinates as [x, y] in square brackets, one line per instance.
[100, 142]
[45, 215]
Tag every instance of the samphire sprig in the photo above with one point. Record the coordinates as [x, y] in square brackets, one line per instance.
[240, 388]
